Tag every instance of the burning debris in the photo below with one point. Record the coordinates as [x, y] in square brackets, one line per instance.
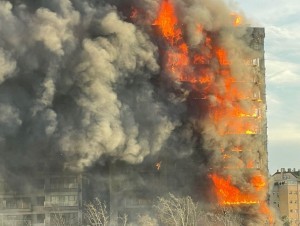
[90, 81]
[158, 165]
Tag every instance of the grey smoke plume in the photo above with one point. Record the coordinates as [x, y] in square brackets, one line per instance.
[79, 76]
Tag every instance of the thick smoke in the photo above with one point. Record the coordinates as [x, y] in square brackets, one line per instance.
[75, 79]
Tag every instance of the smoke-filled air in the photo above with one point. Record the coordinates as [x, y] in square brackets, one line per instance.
[87, 82]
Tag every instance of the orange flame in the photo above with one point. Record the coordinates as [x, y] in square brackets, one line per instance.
[226, 112]
[222, 57]
[180, 61]
[237, 19]
[265, 210]
[167, 22]
[237, 149]
[228, 194]
[250, 164]
[258, 182]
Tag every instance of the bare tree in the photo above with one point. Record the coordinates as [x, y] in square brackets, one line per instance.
[58, 219]
[285, 221]
[174, 211]
[146, 220]
[222, 216]
[96, 214]
[124, 219]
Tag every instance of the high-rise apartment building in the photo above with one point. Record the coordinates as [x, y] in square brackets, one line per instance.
[285, 195]
[134, 188]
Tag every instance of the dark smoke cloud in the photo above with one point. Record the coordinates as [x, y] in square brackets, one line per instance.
[76, 81]
[79, 81]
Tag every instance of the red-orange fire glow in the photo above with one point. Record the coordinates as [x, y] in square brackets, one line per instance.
[228, 109]
[250, 164]
[168, 22]
[222, 57]
[265, 210]
[226, 113]
[180, 62]
[134, 13]
[237, 19]
[258, 181]
[237, 149]
[228, 194]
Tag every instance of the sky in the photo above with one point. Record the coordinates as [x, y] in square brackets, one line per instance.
[281, 20]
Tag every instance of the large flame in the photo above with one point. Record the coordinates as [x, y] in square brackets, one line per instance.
[167, 22]
[228, 194]
[226, 113]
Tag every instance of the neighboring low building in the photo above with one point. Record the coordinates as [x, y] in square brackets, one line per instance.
[285, 195]
[50, 198]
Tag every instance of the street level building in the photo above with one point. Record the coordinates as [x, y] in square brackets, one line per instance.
[285, 195]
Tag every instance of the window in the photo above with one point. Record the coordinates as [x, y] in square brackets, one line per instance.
[61, 198]
[40, 201]
[70, 182]
[54, 199]
[40, 218]
[256, 46]
[56, 183]
[255, 62]
[64, 183]
[40, 183]
[18, 203]
[64, 200]
[256, 94]
[11, 204]
[72, 198]
[12, 217]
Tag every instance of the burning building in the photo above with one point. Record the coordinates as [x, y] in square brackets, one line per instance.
[221, 79]
[167, 94]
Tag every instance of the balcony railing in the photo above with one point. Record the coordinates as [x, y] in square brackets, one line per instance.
[20, 208]
[16, 223]
[58, 204]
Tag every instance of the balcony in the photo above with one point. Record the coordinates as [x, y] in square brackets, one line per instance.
[13, 205]
[60, 204]
[17, 223]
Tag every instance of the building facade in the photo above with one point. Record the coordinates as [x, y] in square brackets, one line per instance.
[285, 195]
[51, 200]
[134, 189]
